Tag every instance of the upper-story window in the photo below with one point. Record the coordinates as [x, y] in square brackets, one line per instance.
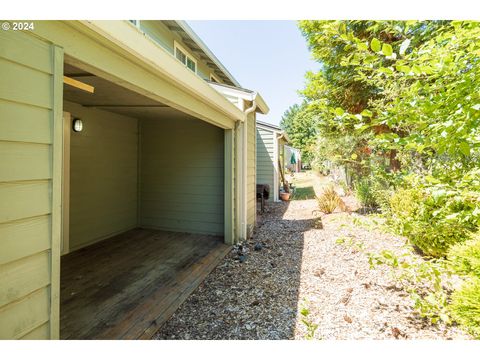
[135, 22]
[185, 58]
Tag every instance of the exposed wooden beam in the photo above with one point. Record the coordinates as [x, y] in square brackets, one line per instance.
[127, 106]
[78, 84]
[74, 75]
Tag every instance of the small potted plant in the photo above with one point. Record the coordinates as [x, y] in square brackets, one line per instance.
[285, 196]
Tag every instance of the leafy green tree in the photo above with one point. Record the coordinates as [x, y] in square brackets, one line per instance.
[429, 97]
[300, 126]
[336, 90]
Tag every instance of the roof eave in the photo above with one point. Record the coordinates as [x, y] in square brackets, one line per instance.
[245, 94]
[206, 50]
[285, 136]
[261, 104]
[281, 134]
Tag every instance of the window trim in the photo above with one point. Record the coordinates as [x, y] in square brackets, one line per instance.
[188, 55]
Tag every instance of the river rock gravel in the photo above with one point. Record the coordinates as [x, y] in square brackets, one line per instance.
[300, 260]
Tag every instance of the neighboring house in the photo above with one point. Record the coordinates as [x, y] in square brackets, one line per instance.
[271, 141]
[293, 159]
[160, 148]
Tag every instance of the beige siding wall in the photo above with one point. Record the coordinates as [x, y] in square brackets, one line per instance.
[103, 175]
[182, 176]
[265, 157]
[27, 109]
[251, 171]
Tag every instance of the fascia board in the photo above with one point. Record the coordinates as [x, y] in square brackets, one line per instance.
[152, 54]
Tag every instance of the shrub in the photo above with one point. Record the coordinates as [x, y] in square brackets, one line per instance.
[329, 200]
[431, 219]
[465, 258]
[465, 306]
[434, 239]
[404, 206]
[365, 193]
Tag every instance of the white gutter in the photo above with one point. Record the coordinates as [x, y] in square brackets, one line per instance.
[241, 93]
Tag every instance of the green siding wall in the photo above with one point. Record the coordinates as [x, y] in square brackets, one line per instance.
[182, 176]
[29, 79]
[103, 175]
[251, 171]
[265, 155]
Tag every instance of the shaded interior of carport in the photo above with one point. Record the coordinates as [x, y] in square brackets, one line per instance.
[143, 209]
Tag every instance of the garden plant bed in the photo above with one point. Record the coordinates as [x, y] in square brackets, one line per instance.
[309, 264]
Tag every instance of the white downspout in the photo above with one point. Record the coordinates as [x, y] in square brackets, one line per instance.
[276, 169]
[245, 169]
[251, 108]
[238, 184]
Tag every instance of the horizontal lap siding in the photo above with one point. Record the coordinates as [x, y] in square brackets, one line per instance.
[182, 176]
[265, 155]
[103, 175]
[26, 172]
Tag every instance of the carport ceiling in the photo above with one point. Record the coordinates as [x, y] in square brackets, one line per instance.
[111, 97]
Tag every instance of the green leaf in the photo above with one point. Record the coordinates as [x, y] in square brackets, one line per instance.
[403, 68]
[385, 70]
[375, 45]
[362, 46]
[404, 46]
[339, 111]
[387, 49]
[366, 113]
[464, 148]
[416, 69]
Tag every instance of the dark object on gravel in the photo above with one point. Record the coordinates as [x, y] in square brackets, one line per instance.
[242, 258]
[263, 193]
[258, 247]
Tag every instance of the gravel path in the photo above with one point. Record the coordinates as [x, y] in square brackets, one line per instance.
[303, 263]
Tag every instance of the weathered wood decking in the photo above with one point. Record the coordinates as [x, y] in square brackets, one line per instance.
[127, 286]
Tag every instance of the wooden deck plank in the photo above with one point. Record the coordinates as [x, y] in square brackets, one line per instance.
[127, 286]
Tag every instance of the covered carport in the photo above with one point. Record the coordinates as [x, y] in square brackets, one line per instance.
[144, 208]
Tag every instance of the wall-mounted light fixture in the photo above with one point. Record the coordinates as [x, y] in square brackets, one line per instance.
[77, 125]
